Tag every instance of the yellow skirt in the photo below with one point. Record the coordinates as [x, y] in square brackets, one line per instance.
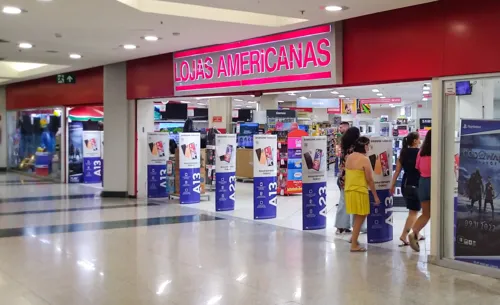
[357, 203]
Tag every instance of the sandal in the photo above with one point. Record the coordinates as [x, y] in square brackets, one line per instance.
[414, 242]
[360, 249]
[421, 238]
[404, 243]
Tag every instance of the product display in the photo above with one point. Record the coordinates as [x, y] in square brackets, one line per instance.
[290, 162]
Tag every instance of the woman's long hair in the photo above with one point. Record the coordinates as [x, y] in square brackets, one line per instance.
[425, 151]
[349, 138]
[407, 142]
[188, 126]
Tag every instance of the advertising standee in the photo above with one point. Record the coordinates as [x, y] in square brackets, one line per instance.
[265, 182]
[75, 153]
[189, 168]
[314, 183]
[380, 220]
[157, 152]
[92, 164]
[477, 220]
[225, 171]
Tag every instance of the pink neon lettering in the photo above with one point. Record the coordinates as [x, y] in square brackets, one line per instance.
[322, 47]
[310, 56]
[209, 70]
[254, 61]
[296, 56]
[200, 73]
[245, 63]
[283, 59]
[233, 64]
[177, 77]
[269, 68]
[222, 67]
[184, 71]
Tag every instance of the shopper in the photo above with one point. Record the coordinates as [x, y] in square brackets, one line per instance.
[409, 185]
[423, 165]
[342, 220]
[358, 178]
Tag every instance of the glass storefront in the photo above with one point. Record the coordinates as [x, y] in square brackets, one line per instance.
[34, 142]
[466, 184]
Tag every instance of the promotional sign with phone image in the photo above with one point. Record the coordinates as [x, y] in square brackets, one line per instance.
[379, 222]
[265, 176]
[314, 183]
[225, 172]
[189, 167]
[92, 162]
[157, 152]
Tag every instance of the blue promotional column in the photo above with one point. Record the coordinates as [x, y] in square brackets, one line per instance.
[92, 164]
[265, 185]
[157, 152]
[189, 168]
[380, 219]
[314, 165]
[225, 168]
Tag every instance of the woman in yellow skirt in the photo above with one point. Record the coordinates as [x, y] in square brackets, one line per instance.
[358, 178]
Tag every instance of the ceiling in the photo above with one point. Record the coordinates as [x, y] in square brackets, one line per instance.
[97, 29]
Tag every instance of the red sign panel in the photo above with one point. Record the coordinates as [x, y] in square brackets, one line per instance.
[217, 119]
[333, 110]
[395, 100]
[301, 109]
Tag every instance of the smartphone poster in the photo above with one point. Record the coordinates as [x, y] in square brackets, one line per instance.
[92, 162]
[314, 182]
[225, 171]
[477, 239]
[189, 167]
[380, 220]
[265, 181]
[158, 154]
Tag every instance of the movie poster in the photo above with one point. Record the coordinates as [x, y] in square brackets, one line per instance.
[75, 152]
[477, 208]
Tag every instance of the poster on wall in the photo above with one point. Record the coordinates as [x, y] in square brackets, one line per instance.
[477, 208]
[265, 185]
[157, 152]
[363, 108]
[189, 167]
[380, 220]
[314, 182]
[225, 169]
[92, 164]
[348, 106]
[75, 152]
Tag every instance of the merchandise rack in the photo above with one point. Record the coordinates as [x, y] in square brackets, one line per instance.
[290, 161]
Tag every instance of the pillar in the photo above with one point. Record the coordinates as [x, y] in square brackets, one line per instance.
[3, 130]
[117, 115]
[268, 102]
[220, 114]
[145, 124]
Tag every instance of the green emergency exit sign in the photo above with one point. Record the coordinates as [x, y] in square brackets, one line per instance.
[66, 78]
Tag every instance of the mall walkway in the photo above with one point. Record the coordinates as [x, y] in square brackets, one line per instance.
[63, 245]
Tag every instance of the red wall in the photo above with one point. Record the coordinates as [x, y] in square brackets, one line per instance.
[444, 38]
[45, 92]
[150, 77]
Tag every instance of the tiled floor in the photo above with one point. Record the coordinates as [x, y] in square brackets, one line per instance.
[70, 247]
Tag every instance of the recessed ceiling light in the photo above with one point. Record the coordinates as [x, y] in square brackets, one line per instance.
[201, 104]
[335, 92]
[342, 95]
[238, 100]
[25, 45]
[185, 102]
[334, 8]
[252, 102]
[380, 94]
[427, 88]
[11, 10]
[382, 97]
[249, 106]
[303, 97]
[375, 90]
[151, 38]
[426, 92]
[425, 99]
[75, 56]
[280, 101]
[129, 46]
[291, 93]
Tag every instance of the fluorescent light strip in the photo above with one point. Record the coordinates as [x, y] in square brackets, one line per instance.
[210, 13]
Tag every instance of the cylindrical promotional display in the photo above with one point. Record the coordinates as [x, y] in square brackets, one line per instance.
[380, 222]
[92, 164]
[189, 167]
[314, 183]
[225, 169]
[157, 152]
[265, 185]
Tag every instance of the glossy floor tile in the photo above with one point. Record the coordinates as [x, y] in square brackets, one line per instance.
[65, 248]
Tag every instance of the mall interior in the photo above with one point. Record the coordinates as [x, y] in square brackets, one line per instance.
[220, 178]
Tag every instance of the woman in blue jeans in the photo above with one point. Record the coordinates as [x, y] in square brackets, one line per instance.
[342, 219]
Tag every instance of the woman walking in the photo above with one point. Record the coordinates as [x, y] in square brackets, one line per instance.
[358, 178]
[423, 165]
[342, 220]
[409, 185]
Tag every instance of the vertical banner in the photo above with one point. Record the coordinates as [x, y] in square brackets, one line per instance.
[102, 157]
[314, 183]
[265, 185]
[477, 237]
[225, 169]
[92, 165]
[189, 167]
[75, 151]
[157, 152]
[380, 220]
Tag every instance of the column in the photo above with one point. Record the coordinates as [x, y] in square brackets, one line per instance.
[116, 128]
[220, 114]
[3, 130]
[145, 124]
[268, 102]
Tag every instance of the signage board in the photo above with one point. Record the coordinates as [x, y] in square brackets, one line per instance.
[225, 171]
[66, 78]
[265, 181]
[189, 167]
[319, 103]
[306, 57]
[393, 100]
[92, 162]
[157, 156]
